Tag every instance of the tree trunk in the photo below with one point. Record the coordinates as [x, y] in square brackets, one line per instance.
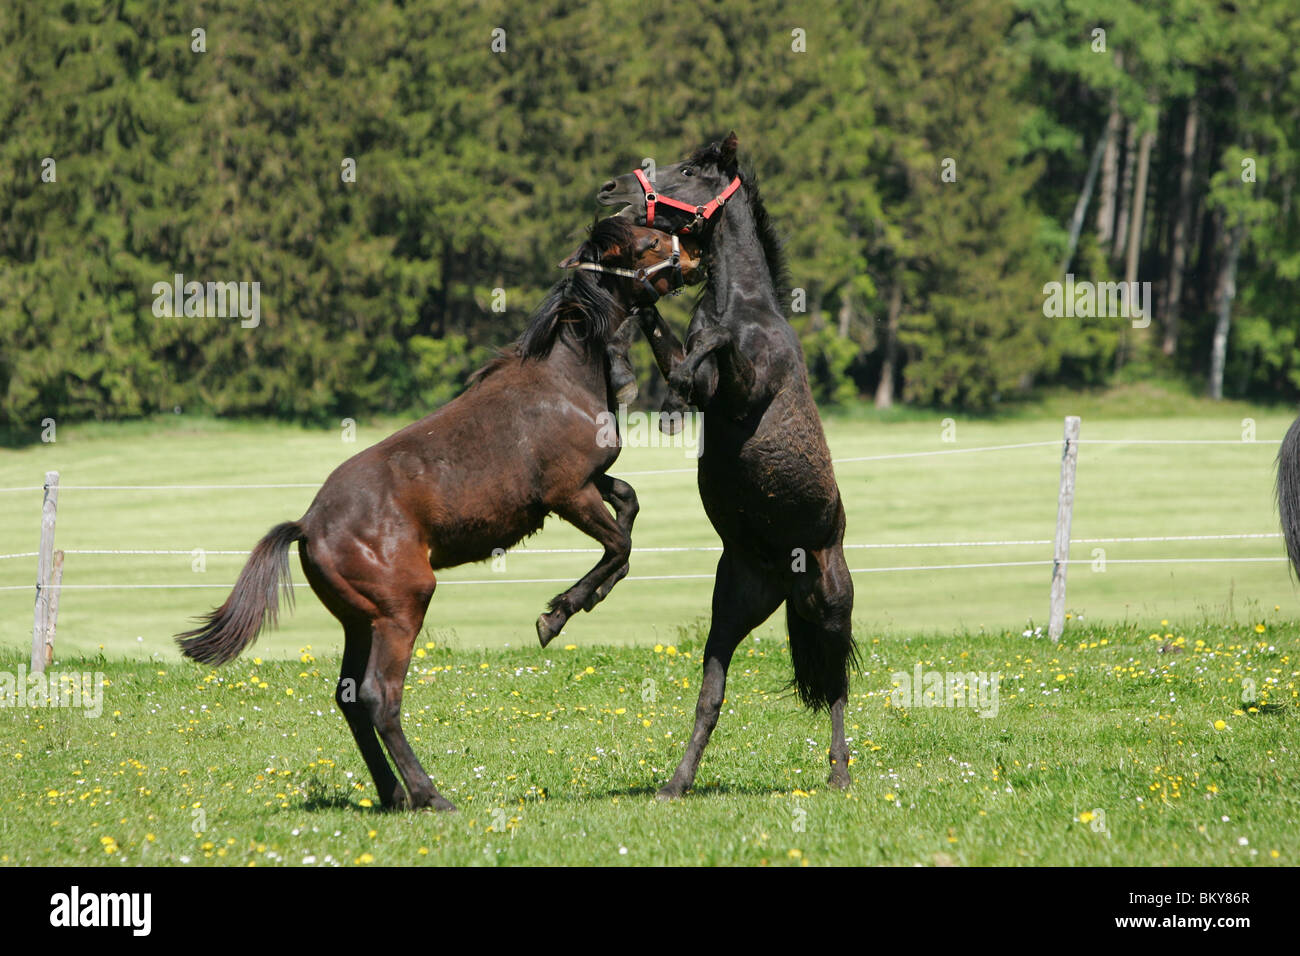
[846, 312]
[1225, 292]
[885, 390]
[1182, 226]
[1081, 206]
[1139, 206]
[1125, 194]
[1109, 176]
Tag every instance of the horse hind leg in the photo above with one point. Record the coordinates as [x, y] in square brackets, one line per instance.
[392, 641]
[356, 653]
[353, 611]
[743, 598]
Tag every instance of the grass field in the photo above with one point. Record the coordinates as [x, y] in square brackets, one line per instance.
[1005, 495]
[1102, 750]
[1161, 730]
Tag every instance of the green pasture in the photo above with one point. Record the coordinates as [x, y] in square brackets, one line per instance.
[1140, 745]
[1161, 730]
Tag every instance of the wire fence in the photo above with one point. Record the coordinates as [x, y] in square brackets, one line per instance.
[524, 551]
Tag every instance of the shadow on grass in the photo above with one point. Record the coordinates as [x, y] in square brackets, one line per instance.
[649, 790]
[323, 797]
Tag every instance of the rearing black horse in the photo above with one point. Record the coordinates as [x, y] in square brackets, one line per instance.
[765, 472]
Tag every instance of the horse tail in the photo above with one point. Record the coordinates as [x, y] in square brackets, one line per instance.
[822, 657]
[252, 605]
[1288, 492]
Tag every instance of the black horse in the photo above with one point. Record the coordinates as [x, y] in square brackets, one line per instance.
[1288, 492]
[765, 472]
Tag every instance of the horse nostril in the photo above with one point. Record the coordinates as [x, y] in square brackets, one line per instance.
[608, 187]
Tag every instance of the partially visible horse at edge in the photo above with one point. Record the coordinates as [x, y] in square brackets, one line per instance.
[1288, 492]
[478, 474]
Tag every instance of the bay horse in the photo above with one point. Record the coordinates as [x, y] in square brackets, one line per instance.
[477, 475]
[765, 473]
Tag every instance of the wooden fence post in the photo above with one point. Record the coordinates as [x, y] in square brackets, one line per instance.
[1064, 515]
[44, 566]
[52, 618]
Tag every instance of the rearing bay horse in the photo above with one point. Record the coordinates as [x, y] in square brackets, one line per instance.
[480, 473]
[765, 472]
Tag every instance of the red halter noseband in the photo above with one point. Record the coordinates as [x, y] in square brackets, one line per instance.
[702, 213]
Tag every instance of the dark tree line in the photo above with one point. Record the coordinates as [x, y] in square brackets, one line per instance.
[402, 178]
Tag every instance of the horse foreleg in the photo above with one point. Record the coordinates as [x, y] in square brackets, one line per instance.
[743, 598]
[586, 511]
[622, 378]
[668, 352]
[665, 345]
[619, 495]
[685, 379]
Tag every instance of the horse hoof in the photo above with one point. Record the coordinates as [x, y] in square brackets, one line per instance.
[669, 792]
[627, 394]
[435, 801]
[839, 779]
[670, 424]
[545, 630]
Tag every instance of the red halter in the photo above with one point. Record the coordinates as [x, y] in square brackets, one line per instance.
[702, 213]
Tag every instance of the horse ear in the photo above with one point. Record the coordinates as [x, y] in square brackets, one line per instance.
[570, 260]
[729, 146]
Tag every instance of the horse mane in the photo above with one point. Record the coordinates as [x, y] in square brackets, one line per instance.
[769, 238]
[503, 358]
[578, 304]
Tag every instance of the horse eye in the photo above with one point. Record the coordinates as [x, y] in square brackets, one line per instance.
[687, 171]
